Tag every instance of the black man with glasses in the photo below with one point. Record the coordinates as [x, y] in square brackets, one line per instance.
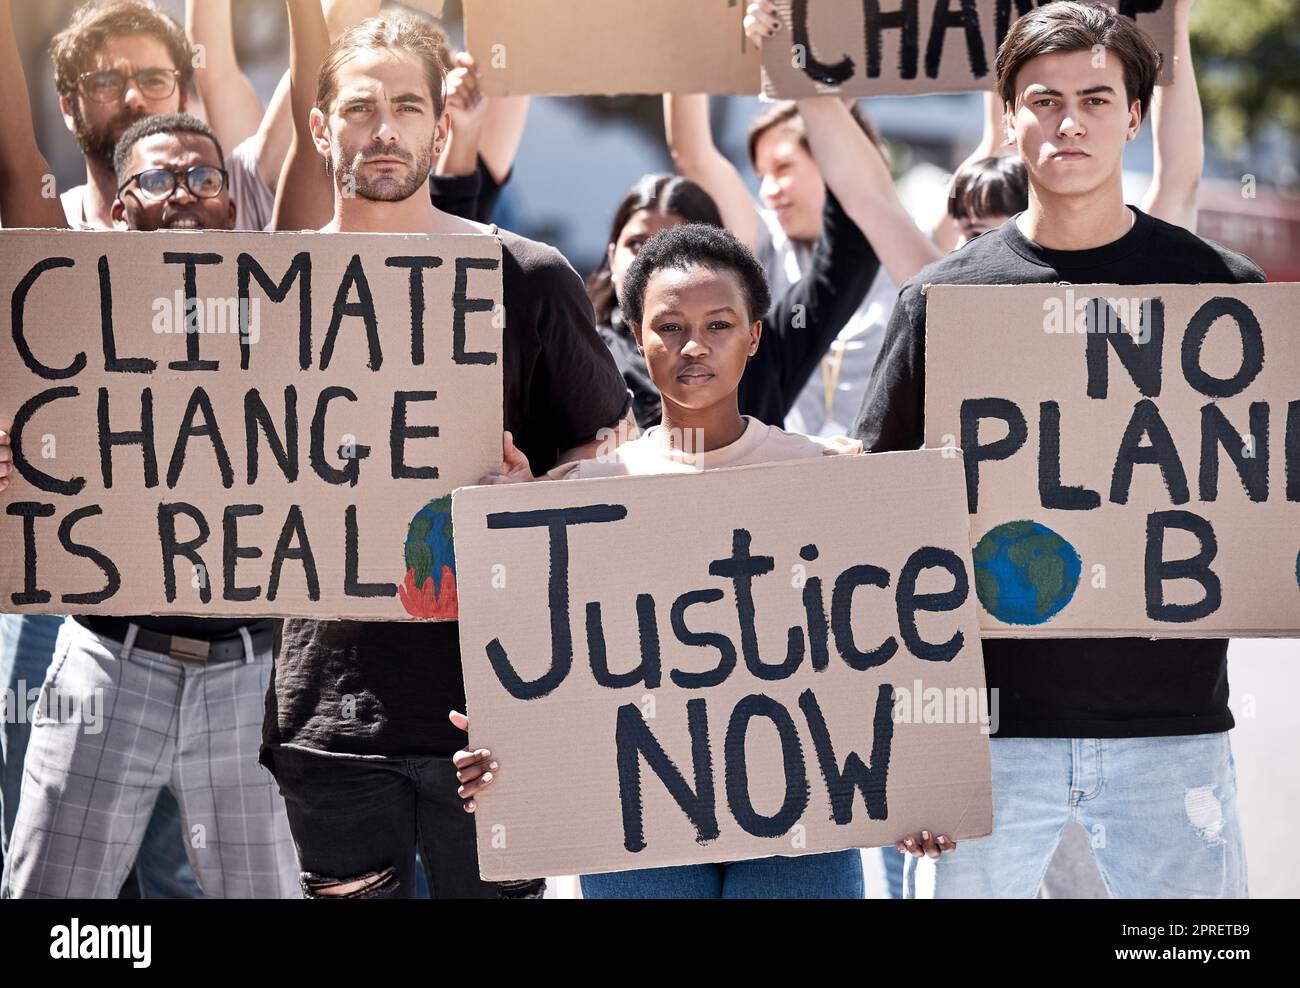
[170, 177]
[162, 670]
[118, 62]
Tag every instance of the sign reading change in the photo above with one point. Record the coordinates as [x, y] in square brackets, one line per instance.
[1132, 454]
[777, 659]
[243, 424]
[911, 46]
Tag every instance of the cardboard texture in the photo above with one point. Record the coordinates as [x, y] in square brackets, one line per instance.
[649, 565]
[1134, 463]
[380, 361]
[431, 7]
[610, 47]
[909, 46]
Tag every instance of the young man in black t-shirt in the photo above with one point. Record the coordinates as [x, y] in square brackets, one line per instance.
[1128, 736]
[356, 727]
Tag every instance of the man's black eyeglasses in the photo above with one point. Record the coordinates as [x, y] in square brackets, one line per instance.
[205, 181]
[109, 85]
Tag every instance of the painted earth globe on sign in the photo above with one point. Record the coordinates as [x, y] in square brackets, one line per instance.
[1025, 572]
[429, 589]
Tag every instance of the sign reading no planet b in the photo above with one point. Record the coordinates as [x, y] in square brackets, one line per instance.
[1132, 454]
[902, 47]
[243, 424]
[770, 660]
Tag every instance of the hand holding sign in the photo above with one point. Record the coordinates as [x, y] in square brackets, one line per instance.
[761, 21]
[475, 771]
[6, 457]
[474, 766]
[515, 468]
[748, 693]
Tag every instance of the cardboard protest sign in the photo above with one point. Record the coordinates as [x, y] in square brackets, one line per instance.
[910, 46]
[777, 659]
[430, 7]
[611, 47]
[243, 424]
[1132, 454]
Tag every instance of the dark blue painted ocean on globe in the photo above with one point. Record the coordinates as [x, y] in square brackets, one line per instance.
[1024, 572]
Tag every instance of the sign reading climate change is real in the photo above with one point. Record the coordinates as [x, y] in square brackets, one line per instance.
[776, 659]
[243, 424]
[902, 47]
[1132, 454]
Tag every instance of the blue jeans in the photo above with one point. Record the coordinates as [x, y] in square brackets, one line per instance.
[26, 649]
[836, 875]
[1161, 815]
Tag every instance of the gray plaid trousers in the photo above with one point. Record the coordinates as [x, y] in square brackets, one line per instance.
[109, 734]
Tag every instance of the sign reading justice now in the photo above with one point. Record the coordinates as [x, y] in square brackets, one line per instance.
[1132, 454]
[243, 424]
[777, 659]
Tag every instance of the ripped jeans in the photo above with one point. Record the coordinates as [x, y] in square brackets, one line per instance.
[356, 823]
[1160, 813]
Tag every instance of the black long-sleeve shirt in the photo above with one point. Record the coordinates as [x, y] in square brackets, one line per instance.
[471, 197]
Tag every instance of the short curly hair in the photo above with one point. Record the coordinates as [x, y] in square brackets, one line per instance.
[694, 245]
[161, 123]
[94, 23]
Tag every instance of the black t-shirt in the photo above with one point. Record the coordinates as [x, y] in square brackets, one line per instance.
[797, 330]
[1094, 687]
[561, 389]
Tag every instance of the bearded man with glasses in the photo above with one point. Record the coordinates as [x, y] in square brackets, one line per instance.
[117, 63]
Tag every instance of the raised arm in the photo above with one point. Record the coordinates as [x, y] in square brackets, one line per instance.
[467, 111]
[481, 126]
[233, 109]
[28, 197]
[856, 172]
[342, 14]
[1178, 130]
[690, 141]
[305, 196]
[271, 142]
[804, 321]
[854, 169]
[503, 130]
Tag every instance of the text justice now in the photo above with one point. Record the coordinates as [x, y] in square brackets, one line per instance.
[810, 639]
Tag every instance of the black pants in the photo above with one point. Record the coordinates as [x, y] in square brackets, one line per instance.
[356, 823]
